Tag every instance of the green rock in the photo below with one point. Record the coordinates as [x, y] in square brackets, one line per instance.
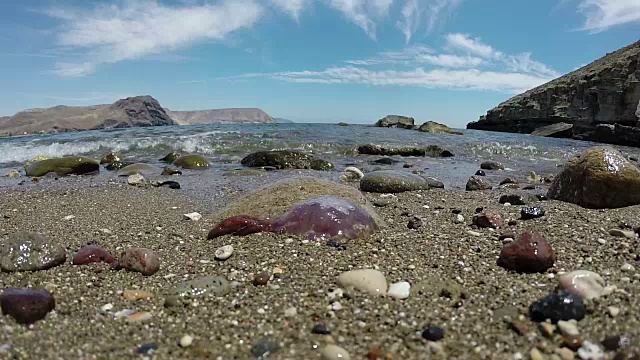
[286, 159]
[321, 165]
[342, 124]
[12, 173]
[25, 251]
[192, 162]
[170, 171]
[139, 168]
[391, 181]
[601, 178]
[437, 128]
[245, 172]
[170, 157]
[185, 292]
[117, 165]
[63, 166]
[35, 159]
[432, 150]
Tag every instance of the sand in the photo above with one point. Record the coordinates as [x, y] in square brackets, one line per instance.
[116, 216]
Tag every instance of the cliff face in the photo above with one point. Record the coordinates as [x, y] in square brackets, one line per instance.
[601, 100]
[220, 116]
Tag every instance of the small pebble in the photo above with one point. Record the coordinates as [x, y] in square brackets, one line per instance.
[399, 290]
[568, 328]
[147, 349]
[369, 280]
[134, 295]
[627, 268]
[535, 354]
[261, 279]
[558, 306]
[590, 351]
[186, 341]
[629, 234]
[139, 316]
[565, 354]
[433, 333]
[26, 306]
[290, 312]
[334, 352]
[588, 284]
[194, 216]
[547, 329]
[320, 329]
[613, 311]
[530, 213]
[459, 219]
[613, 343]
[142, 260]
[224, 252]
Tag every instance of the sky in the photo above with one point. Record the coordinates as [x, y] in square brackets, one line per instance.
[306, 60]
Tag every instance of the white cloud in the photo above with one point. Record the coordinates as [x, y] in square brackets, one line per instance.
[432, 12]
[473, 46]
[363, 13]
[418, 55]
[292, 7]
[603, 14]
[65, 69]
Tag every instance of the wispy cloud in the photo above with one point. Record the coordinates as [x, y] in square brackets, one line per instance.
[363, 13]
[420, 55]
[418, 13]
[603, 14]
[291, 7]
[35, 55]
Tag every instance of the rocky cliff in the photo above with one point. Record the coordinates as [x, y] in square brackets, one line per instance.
[220, 116]
[601, 100]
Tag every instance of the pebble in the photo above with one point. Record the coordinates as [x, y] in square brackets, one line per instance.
[320, 329]
[106, 308]
[459, 219]
[26, 306]
[613, 311]
[123, 313]
[477, 183]
[334, 352]
[564, 353]
[147, 349]
[535, 354]
[530, 213]
[139, 316]
[135, 179]
[547, 329]
[568, 328]
[26, 251]
[69, 217]
[369, 280]
[626, 267]
[186, 341]
[92, 254]
[290, 312]
[415, 223]
[264, 347]
[353, 172]
[194, 216]
[557, 306]
[513, 199]
[487, 219]
[588, 284]
[629, 234]
[474, 233]
[203, 286]
[491, 165]
[590, 351]
[134, 295]
[261, 279]
[400, 290]
[613, 343]
[519, 327]
[224, 252]
[530, 253]
[480, 173]
[141, 260]
[433, 333]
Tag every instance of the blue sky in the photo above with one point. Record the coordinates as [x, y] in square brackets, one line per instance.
[306, 60]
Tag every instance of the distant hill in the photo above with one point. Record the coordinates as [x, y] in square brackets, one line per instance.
[220, 116]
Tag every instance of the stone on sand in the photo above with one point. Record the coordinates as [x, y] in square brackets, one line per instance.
[368, 280]
[588, 284]
[25, 251]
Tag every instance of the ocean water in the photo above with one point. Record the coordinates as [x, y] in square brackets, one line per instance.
[226, 145]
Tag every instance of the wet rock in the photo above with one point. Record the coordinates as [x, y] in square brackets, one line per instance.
[167, 171]
[475, 183]
[109, 158]
[334, 352]
[400, 290]
[587, 284]
[414, 223]
[520, 327]
[383, 202]
[12, 174]
[390, 181]
[352, 173]
[63, 166]
[170, 184]
[433, 333]
[432, 151]
[286, 159]
[385, 161]
[135, 180]
[264, 347]
[170, 157]
[139, 168]
[568, 328]
[92, 254]
[117, 165]
[245, 172]
[36, 159]
[573, 342]
[487, 219]
[508, 181]
[563, 305]
[25, 251]
[629, 234]
[144, 261]
[617, 342]
[530, 253]
[530, 213]
[368, 280]
[480, 173]
[491, 165]
[320, 329]
[396, 121]
[513, 199]
[336, 244]
[541, 197]
[26, 306]
[192, 162]
[437, 128]
[434, 183]
[601, 178]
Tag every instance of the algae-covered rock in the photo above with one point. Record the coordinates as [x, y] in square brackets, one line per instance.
[12, 173]
[383, 150]
[437, 128]
[139, 168]
[390, 181]
[286, 159]
[170, 157]
[192, 162]
[601, 178]
[63, 166]
[36, 159]
[109, 158]
[117, 165]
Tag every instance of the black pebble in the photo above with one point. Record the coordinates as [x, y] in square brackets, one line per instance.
[320, 329]
[414, 223]
[613, 343]
[558, 306]
[480, 173]
[479, 210]
[433, 333]
[512, 223]
[336, 244]
[170, 184]
[529, 213]
[456, 211]
[147, 349]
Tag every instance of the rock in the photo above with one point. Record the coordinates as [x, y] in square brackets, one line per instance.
[139, 168]
[530, 213]
[334, 352]
[24, 251]
[92, 254]
[109, 158]
[530, 253]
[508, 181]
[480, 173]
[546, 329]
[147, 349]
[432, 151]
[141, 260]
[629, 234]
[568, 328]
[170, 157]
[414, 223]
[320, 329]
[391, 181]
[167, 171]
[170, 184]
[557, 130]
[186, 341]
[261, 279]
[487, 219]
[491, 165]
[433, 333]
[264, 347]
[135, 295]
[117, 165]
[194, 216]
[352, 173]
[286, 159]
[12, 174]
[400, 290]
[590, 351]
[342, 124]
[617, 342]
[63, 166]
[626, 267]
[513, 199]
[437, 128]
[601, 178]
[369, 280]
[385, 161]
[587, 284]
[535, 354]
[520, 327]
[613, 311]
[224, 252]
[135, 180]
[558, 306]
[459, 219]
[139, 317]
[36, 159]
[192, 162]
[245, 172]
[26, 306]
[434, 183]
[199, 287]
[396, 121]
[475, 183]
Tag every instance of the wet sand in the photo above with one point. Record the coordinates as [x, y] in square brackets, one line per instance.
[117, 216]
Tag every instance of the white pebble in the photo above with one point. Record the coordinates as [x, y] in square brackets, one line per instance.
[568, 328]
[627, 268]
[613, 311]
[290, 312]
[186, 341]
[400, 290]
[123, 313]
[585, 283]
[459, 219]
[590, 351]
[106, 307]
[69, 217]
[336, 306]
[354, 172]
[334, 352]
[224, 252]
[473, 233]
[135, 179]
[369, 280]
[194, 216]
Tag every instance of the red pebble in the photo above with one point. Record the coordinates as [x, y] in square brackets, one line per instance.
[25, 305]
[92, 255]
[142, 260]
[487, 219]
[531, 253]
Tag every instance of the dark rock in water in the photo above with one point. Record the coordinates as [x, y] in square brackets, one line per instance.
[192, 162]
[263, 348]
[342, 124]
[513, 199]
[320, 329]
[396, 121]
[385, 161]
[601, 178]
[508, 181]
[480, 173]
[139, 168]
[557, 130]
[390, 181]
[92, 254]
[26, 251]
[433, 333]
[318, 218]
[414, 223]
[109, 158]
[141, 260]
[432, 150]
[617, 342]
[26, 306]
[437, 128]
[63, 166]
[491, 165]
[529, 213]
[170, 184]
[170, 157]
[117, 165]
[487, 220]
[336, 244]
[475, 183]
[147, 349]
[530, 253]
[286, 159]
[563, 305]
[434, 183]
[170, 171]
